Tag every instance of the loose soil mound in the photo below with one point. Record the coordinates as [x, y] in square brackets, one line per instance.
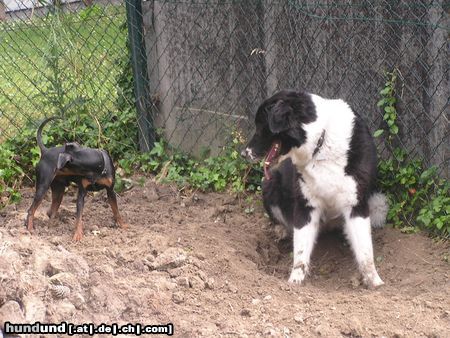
[202, 263]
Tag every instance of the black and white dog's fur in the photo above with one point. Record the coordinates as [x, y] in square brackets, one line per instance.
[326, 171]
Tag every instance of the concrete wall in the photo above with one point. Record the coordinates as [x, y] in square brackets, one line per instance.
[200, 69]
[210, 65]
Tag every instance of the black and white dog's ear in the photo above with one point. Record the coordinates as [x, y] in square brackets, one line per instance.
[279, 117]
[63, 159]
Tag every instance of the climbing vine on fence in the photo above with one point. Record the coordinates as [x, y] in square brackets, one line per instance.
[417, 195]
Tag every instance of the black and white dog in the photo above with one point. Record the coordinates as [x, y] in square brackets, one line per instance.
[326, 171]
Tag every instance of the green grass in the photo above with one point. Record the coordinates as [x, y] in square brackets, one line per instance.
[48, 63]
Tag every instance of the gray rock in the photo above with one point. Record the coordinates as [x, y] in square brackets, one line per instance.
[11, 312]
[169, 259]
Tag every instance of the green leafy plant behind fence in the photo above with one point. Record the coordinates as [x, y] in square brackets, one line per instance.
[417, 195]
[64, 62]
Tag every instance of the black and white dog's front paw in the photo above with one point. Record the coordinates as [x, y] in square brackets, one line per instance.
[297, 277]
[298, 274]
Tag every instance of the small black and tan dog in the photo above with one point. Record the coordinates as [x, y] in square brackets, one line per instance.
[91, 169]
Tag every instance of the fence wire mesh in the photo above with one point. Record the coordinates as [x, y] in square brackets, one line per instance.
[203, 67]
[54, 60]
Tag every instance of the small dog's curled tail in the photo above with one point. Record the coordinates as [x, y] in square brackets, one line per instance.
[378, 209]
[41, 145]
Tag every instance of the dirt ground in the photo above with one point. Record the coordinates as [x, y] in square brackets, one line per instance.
[211, 264]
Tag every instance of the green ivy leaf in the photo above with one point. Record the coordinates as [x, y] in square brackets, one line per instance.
[378, 133]
[393, 129]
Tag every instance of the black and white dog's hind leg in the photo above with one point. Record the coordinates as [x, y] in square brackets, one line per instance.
[358, 231]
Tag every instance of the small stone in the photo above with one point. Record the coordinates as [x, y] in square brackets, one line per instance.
[66, 309]
[35, 308]
[285, 287]
[200, 256]
[151, 194]
[165, 284]
[320, 330]
[10, 311]
[149, 258]
[183, 281]
[355, 282]
[178, 297]
[196, 283]
[270, 331]
[268, 298]
[232, 288]
[55, 240]
[209, 284]
[78, 300]
[202, 275]
[299, 319]
[326, 330]
[399, 334]
[245, 313]
[177, 272]
[256, 301]
[169, 259]
[95, 278]
[140, 266]
[196, 262]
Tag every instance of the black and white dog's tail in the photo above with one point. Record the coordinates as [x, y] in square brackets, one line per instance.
[378, 209]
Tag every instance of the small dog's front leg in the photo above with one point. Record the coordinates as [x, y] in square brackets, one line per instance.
[79, 219]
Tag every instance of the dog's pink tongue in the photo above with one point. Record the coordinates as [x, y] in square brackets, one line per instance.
[273, 153]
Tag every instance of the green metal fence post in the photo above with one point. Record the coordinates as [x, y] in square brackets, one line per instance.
[140, 76]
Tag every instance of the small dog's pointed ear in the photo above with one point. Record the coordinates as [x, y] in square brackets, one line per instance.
[279, 117]
[63, 159]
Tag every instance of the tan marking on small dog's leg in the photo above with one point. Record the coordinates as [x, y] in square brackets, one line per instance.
[85, 182]
[106, 181]
[113, 203]
[30, 214]
[78, 235]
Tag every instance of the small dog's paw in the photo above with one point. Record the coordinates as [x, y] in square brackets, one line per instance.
[51, 214]
[297, 276]
[124, 225]
[78, 236]
[25, 231]
[29, 224]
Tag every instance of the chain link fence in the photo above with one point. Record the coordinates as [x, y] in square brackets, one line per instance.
[201, 68]
[57, 58]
